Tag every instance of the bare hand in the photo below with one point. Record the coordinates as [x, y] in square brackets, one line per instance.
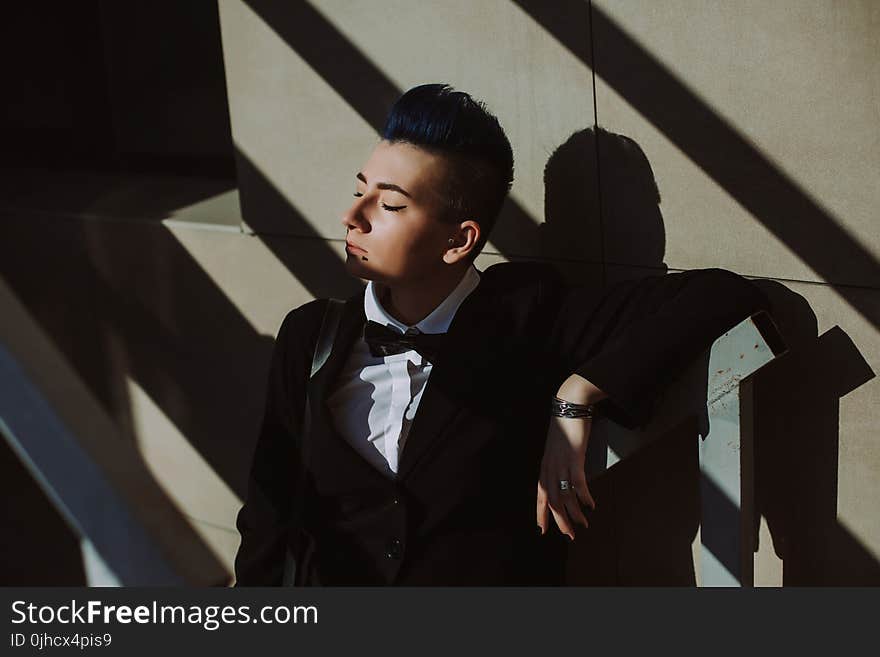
[564, 459]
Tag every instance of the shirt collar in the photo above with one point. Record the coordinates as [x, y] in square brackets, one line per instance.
[438, 320]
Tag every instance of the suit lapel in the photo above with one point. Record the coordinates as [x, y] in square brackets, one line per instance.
[320, 386]
[442, 399]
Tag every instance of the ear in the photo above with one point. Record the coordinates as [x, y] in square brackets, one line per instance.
[462, 243]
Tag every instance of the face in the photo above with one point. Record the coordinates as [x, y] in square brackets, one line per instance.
[394, 227]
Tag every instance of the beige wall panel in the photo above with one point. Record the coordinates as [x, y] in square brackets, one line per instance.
[252, 277]
[795, 82]
[308, 140]
[223, 542]
[303, 138]
[178, 468]
[768, 566]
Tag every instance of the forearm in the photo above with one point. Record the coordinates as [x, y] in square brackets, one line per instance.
[578, 390]
[641, 332]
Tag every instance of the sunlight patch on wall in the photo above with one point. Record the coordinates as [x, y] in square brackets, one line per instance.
[294, 127]
[183, 474]
[248, 273]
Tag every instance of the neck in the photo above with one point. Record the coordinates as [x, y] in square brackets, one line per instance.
[410, 304]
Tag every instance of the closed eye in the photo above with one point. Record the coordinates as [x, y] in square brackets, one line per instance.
[390, 208]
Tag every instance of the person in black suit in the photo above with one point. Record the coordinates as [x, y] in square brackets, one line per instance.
[433, 419]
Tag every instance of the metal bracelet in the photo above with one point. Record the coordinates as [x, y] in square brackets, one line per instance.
[561, 408]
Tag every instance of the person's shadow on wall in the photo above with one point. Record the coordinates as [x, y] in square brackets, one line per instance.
[648, 506]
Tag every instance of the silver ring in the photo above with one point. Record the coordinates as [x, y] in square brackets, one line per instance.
[564, 485]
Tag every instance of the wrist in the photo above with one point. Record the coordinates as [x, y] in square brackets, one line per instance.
[562, 409]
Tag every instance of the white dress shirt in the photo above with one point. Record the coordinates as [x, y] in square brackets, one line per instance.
[377, 397]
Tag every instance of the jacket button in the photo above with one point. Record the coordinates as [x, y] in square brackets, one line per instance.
[396, 500]
[395, 549]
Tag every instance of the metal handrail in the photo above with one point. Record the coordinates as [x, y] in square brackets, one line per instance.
[717, 391]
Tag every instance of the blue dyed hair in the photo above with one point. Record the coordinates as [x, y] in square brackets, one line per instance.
[447, 122]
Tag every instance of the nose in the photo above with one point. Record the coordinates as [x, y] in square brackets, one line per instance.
[354, 218]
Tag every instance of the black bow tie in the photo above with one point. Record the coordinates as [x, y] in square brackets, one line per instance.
[384, 341]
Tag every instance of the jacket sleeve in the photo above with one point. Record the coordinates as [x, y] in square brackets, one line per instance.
[264, 520]
[632, 338]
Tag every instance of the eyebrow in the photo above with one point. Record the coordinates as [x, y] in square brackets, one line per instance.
[383, 185]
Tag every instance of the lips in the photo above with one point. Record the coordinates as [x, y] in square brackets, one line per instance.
[352, 248]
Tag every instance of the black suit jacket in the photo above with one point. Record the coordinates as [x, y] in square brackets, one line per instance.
[461, 510]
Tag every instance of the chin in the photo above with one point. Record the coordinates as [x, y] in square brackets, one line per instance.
[359, 268]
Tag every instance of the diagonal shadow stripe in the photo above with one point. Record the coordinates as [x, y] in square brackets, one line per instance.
[367, 90]
[271, 216]
[347, 70]
[721, 536]
[719, 149]
[832, 556]
[191, 350]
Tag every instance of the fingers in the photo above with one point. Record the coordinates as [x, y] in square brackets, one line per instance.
[583, 492]
[562, 522]
[573, 508]
[566, 505]
[549, 497]
[566, 512]
[541, 508]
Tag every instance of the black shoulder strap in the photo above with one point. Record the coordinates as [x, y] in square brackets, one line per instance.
[323, 347]
[329, 327]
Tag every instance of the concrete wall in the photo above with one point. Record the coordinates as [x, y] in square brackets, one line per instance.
[761, 123]
[740, 135]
